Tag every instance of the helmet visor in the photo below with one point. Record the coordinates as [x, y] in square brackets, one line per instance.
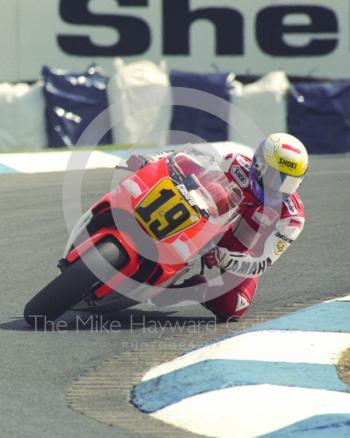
[275, 181]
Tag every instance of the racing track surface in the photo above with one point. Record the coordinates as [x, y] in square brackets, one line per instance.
[36, 368]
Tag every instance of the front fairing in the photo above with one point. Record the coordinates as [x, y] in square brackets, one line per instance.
[78, 228]
[181, 202]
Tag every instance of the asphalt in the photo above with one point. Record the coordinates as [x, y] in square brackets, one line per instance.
[38, 367]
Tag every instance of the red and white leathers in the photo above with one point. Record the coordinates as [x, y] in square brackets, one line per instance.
[245, 252]
[258, 239]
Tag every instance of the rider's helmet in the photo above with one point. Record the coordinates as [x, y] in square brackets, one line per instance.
[279, 166]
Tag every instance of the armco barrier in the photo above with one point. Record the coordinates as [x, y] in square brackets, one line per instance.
[22, 116]
[317, 112]
[140, 99]
[263, 101]
[195, 121]
[73, 101]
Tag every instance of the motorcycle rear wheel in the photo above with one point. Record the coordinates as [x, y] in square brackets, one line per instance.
[72, 285]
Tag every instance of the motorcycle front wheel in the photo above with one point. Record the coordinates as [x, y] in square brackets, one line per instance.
[73, 284]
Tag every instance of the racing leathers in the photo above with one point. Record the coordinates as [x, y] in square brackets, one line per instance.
[258, 238]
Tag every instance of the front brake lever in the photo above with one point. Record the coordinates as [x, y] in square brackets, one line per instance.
[123, 168]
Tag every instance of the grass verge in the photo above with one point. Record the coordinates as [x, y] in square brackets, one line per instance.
[343, 367]
[112, 147]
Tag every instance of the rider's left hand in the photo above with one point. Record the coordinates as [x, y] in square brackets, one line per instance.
[211, 259]
[136, 162]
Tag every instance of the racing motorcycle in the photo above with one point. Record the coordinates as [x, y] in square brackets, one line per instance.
[142, 237]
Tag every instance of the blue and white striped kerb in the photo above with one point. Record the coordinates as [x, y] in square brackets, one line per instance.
[42, 162]
[57, 161]
[278, 379]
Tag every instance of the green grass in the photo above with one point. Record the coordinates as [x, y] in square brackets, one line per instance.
[111, 147]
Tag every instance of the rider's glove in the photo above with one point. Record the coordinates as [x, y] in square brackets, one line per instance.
[211, 259]
[223, 259]
[136, 162]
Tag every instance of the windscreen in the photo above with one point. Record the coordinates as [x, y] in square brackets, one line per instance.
[207, 183]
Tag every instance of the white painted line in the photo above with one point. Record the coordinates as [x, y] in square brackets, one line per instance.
[347, 298]
[269, 345]
[57, 161]
[252, 411]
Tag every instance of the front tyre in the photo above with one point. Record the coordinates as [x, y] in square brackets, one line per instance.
[73, 284]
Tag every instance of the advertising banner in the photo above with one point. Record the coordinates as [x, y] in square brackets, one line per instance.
[306, 38]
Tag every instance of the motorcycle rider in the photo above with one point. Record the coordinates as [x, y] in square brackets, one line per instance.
[271, 218]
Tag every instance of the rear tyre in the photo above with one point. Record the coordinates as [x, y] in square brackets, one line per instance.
[73, 284]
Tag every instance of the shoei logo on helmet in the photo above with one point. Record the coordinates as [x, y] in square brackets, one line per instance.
[291, 148]
[287, 163]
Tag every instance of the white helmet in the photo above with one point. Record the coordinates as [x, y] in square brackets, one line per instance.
[279, 166]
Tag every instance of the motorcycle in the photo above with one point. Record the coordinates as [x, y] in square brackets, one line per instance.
[142, 237]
